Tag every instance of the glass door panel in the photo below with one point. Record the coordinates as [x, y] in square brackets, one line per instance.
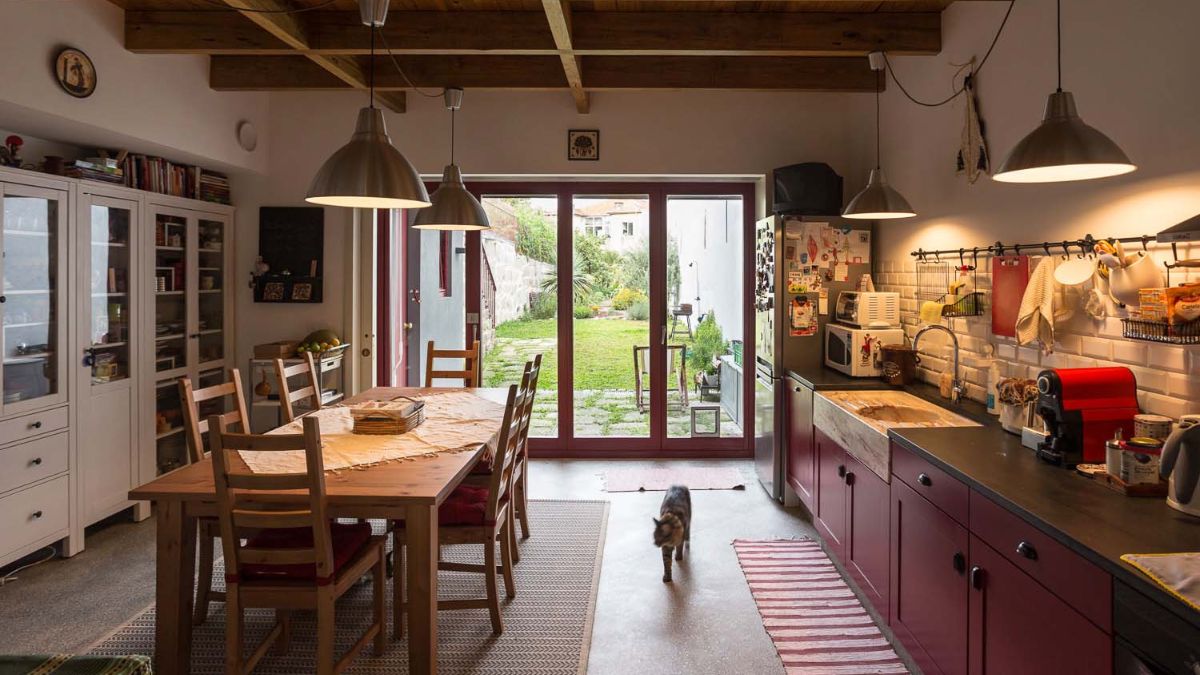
[610, 292]
[109, 293]
[519, 299]
[32, 231]
[170, 293]
[705, 305]
[210, 269]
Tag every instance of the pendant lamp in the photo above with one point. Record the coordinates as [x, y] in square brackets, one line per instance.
[369, 172]
[878, 200]
[454, 208]
[1063, 147]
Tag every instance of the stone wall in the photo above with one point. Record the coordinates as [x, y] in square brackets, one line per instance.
[516, 278]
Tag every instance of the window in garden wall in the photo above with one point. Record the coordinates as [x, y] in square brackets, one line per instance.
[519, 299]
[705, 303]
[610, 288]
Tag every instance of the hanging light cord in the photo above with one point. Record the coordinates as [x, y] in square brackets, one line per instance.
[452, 111]
[383, 38]
[371, 74]
[1058, 27]
[878, 162]
[975, 71]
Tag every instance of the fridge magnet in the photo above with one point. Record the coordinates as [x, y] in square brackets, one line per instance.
[802, 317]
[841, 272]
[823, 302]
[859, 250]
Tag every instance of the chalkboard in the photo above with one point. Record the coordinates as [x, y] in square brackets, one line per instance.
[291, 240]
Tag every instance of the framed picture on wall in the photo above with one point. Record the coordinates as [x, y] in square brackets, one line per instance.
[583, 145]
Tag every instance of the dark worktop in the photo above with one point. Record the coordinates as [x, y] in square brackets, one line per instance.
[1085, 516]
[820, 378]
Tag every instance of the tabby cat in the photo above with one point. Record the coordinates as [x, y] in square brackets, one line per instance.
[673, 526]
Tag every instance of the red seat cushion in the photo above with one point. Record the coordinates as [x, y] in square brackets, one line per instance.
[347, 539]
[465, 507]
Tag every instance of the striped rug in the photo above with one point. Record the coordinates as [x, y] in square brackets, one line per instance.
[812, 616]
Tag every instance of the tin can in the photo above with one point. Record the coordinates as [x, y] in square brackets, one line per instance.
[1140, 458]
[1151, 426]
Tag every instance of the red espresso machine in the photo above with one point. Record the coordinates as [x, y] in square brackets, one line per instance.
[1083, 408]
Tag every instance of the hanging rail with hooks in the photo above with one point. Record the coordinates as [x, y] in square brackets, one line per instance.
[1085, 245]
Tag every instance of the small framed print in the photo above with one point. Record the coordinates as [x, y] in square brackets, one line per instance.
[302, 292]
[273, 291]
[75, 72]
[583, 145]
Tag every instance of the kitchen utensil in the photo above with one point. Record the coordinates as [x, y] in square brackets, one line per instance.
[1010, 275]
[1075, 271]
[1181, 466]
[1083, 408]
[1143, 272]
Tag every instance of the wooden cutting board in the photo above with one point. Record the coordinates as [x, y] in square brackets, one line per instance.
[1010, 275]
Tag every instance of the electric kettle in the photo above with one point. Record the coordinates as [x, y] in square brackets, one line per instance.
[1181, 465]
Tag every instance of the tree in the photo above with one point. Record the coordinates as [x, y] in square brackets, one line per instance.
[581, 284]
[537, 237]
[597, 262]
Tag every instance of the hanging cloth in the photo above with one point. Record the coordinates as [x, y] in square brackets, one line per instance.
[972, 152]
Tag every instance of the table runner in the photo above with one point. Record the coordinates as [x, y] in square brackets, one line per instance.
[455, 420]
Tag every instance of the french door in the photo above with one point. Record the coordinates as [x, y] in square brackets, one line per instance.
[636, 295]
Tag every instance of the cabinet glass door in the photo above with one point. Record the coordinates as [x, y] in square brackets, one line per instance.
[109, 306]
[210, 330]
[32, 335]
[170, 292]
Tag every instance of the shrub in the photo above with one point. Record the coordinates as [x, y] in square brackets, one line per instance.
[708, 343]
[626, 297]
[544, 306]
[584, 312]
[639, 310]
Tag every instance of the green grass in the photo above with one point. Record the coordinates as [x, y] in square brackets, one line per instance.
[603, 351]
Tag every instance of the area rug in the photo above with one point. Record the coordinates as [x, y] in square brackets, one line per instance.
[547, 627]
[695, 478]
[815, 620]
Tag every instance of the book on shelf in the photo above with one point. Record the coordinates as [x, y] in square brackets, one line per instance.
[155, 174]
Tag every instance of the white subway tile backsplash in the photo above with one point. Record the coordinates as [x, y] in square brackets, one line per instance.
[1168, 357]
[1097, 348]
[1126, 351]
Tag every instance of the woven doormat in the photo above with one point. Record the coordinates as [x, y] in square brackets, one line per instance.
[815, 620]
[547, 627]
[695, 478]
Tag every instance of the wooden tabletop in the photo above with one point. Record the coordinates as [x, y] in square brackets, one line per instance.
[421, 480]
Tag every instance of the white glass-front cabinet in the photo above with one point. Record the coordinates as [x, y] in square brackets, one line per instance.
[107, 245]
[188, 328]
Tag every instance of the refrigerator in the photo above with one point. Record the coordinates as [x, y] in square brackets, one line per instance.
[801, 264]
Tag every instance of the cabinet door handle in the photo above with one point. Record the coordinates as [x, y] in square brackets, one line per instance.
[841, 471]
[960, 563]
[849, 478]
[3, 298]
[924, 479]
[36, 425]
[1026, 550]
[36, 461]
[37, 514]
[977, 577]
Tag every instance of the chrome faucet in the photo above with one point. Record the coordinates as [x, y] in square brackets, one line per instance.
[956, 389]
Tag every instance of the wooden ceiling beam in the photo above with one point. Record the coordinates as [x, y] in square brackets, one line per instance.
[589, 33]
[295, 73]
[272, 17]
[558, 14]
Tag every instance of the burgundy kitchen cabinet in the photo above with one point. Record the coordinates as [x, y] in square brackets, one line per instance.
[1018, 626]
[830, 514]
[929, 591]
[868, 503]
[801, 455]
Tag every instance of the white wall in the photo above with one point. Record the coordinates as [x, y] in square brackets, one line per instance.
[1130, 66]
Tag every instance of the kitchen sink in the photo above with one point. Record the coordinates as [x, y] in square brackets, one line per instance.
[859, 421]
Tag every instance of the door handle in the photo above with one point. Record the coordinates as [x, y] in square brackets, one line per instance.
[841, 471]
[407, 325]
[849, 478]
[977, 577]
[664, 335]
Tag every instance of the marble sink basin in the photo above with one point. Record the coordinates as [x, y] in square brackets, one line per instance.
[859, 420]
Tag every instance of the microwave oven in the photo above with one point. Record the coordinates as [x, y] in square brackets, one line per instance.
[856, 351]
[873, 309]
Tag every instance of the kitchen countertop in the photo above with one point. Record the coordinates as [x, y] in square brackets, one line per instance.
[820, 378]
[1085, 516]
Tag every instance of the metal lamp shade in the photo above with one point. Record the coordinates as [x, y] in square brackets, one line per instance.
[878, 201]
[454, 208]
[1063, 148]
[368, 172]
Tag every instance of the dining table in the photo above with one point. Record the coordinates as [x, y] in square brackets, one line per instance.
[411, 490]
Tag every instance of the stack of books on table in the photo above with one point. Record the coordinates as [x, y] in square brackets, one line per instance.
[96, 168]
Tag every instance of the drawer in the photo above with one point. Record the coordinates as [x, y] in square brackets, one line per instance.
[26, 426]
[945, 491]
[25, 463]
[1065, 573]
[33, 514]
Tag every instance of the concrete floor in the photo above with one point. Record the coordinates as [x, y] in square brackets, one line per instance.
[704, 622]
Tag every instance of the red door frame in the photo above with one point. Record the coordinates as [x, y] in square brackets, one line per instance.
[390, 298]
[657, 444]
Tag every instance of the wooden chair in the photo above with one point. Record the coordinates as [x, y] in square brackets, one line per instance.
[474, 514]
[311, 390]
[520, 508]
[195, 426]
[469, 373]
[288, 555]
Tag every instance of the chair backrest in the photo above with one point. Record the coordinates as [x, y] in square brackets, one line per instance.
[248, 502]
[470, 370]
[195, 420]
[529, 380]
[507, 449]
[311, 389]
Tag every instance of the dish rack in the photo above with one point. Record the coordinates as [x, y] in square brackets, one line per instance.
[1161, 331]
[933, 281]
